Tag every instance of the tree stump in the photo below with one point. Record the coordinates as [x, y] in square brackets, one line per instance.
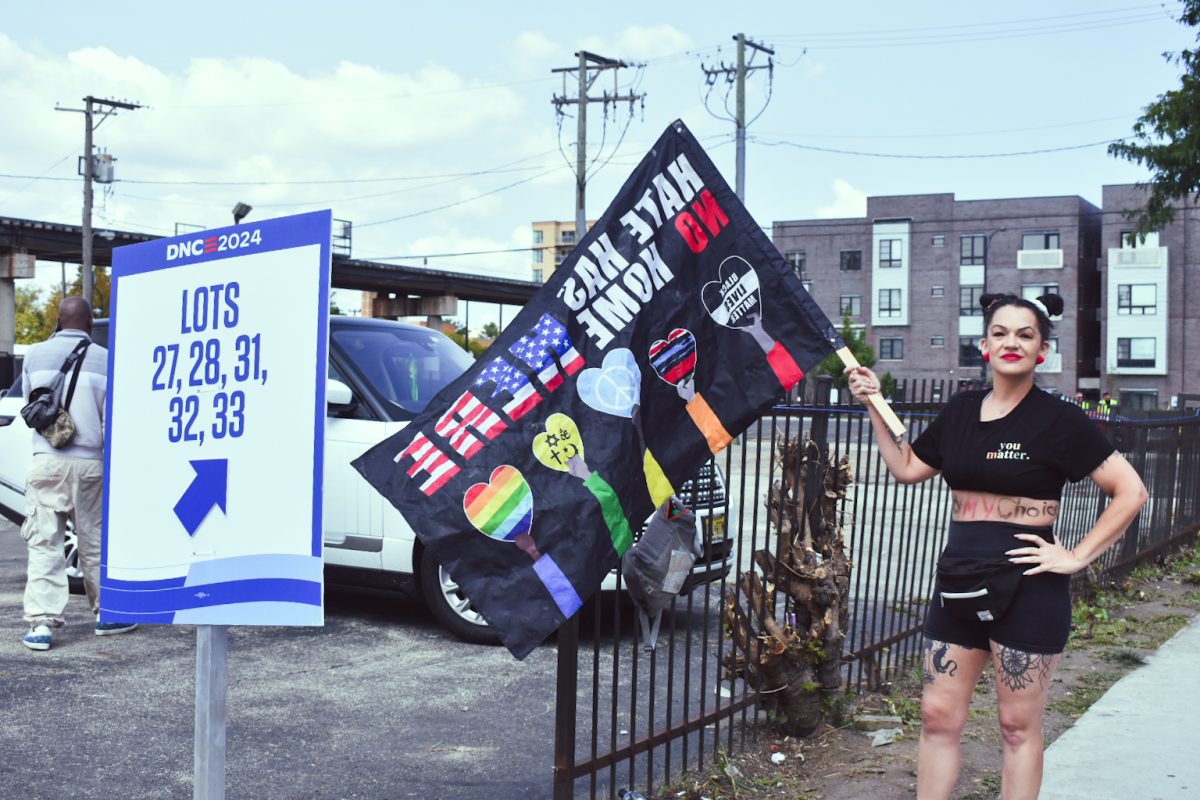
[795, 664]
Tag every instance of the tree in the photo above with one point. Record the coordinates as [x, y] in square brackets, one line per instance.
[491, 330]
[856, 340]
[35, 318]
[1166, 138]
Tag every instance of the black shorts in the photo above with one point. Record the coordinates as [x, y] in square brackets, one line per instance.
[1039, 618]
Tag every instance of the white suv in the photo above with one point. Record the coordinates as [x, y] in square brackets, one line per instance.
[381, 375]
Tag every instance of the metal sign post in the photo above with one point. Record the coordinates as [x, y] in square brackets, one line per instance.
[212, 684]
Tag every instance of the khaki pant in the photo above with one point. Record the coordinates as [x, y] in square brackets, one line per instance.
[58, 488]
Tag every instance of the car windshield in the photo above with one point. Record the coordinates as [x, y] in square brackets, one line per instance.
[406, 366]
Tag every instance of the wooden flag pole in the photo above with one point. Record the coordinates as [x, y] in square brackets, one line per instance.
[889, 417]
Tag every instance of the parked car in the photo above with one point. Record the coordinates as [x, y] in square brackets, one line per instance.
[381, 375]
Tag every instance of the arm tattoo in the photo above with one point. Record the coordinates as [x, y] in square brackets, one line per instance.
[1019, 670]
[935, 661]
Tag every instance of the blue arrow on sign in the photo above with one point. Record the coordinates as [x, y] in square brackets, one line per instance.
[207, 489]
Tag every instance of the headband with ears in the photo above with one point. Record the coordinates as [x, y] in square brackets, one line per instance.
[1050, 304]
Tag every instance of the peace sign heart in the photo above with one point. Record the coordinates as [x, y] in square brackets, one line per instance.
[559, 444]
[734, 298]
[613, 387]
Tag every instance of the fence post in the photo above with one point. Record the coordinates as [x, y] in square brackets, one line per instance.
[565, 701]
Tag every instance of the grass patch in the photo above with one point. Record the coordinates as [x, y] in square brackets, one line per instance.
[1124, 658]
[1087, 690]
[1161, 628]
[989, 787]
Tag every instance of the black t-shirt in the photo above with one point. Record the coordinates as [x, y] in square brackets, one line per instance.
[1031, 452]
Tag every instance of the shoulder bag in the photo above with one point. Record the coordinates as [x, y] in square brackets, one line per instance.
[44, 413]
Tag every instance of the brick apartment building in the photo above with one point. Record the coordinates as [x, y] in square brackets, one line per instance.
[912, 270]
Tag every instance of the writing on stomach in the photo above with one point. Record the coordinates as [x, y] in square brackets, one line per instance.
[972, 506]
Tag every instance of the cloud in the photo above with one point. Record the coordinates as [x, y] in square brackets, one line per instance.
[847, 202]
[639, 42]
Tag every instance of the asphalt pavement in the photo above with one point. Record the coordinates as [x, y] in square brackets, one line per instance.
[379, 704]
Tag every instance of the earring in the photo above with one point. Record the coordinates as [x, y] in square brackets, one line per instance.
[987, 356]
[1041, 359]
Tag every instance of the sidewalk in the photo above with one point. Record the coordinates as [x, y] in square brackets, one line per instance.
[1139, 741]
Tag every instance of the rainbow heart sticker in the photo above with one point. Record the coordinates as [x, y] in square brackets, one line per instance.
[502, 508]
[674, 358]
[733, 299]
[559, 444]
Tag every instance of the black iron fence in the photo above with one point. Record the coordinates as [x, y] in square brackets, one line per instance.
[632, 716]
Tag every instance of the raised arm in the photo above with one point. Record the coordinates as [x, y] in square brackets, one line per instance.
[901, 461]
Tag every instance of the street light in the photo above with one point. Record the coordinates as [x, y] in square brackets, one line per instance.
[987, 250]
[240, 211]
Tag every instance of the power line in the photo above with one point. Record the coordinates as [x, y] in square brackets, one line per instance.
[982, 37]
[360, 226]
[929, 156]
[351, 100]
[994, 23]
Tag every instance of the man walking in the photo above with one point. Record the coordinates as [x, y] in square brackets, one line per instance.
[65, 482]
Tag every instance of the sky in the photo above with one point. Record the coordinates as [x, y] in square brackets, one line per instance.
[431, 127]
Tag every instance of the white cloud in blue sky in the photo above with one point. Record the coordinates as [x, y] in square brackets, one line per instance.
[452, 102]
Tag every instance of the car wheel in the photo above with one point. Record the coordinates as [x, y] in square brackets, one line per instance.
[71, 556]
[449, 606]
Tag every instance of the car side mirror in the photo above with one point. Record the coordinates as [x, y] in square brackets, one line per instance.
[338, 395]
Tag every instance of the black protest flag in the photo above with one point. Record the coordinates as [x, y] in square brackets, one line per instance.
[667, 331]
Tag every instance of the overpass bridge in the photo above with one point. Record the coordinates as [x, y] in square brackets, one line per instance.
[400, 291]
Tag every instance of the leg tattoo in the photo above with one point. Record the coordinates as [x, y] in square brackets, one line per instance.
[935, 661]
[1019, 670]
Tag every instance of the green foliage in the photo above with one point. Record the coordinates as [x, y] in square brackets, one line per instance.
[36, 318]
[1166, 139]
[491, 330]
[475, 347]
[887, 385]
[856, 341]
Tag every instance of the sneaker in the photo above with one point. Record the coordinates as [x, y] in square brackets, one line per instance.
[38, 638]
[112, 628]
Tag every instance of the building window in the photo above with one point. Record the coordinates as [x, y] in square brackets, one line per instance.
[1124, 241]
[889, 253]
[968, 301]
[1043, 240]
[969, 354]
[807, 286]
[537, 256]
[973, 249]
[537, 276]
[1032, 291]
[851, 260]
[851, 304]
[937, 291]
[566, 237]
[891, 349]
[939, 240]
[559, 258]
[537, 237]
[937, 341]
[1141, 399]
[1137, 298]
[796, 259]
[1136, 352]
[889, 303]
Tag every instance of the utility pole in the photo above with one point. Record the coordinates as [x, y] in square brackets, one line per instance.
[738, 74]
[107, 108]
[589, 69]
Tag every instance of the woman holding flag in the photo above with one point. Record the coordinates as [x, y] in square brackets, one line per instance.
[1003, 584]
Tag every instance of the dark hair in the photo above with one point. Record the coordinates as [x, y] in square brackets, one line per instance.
[1052, 302]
